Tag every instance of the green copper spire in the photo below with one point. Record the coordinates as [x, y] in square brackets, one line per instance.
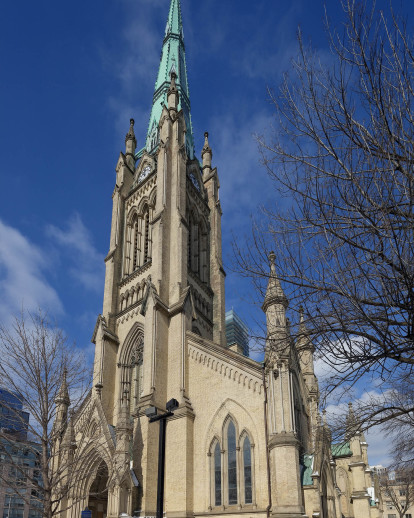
[172, 60]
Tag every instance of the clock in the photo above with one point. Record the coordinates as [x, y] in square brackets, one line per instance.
[144, 173]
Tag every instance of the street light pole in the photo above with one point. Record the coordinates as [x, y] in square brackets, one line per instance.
[161, 468]
[151, 413]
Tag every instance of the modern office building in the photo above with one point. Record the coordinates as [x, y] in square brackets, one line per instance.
[237, 333]
[13, 418]
[19, 461]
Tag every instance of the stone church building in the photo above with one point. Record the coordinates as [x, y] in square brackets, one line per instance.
[247, 439]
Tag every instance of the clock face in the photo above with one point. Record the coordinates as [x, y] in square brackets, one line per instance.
[144, 173]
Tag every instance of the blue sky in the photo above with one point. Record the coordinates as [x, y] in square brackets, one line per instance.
[72, 75]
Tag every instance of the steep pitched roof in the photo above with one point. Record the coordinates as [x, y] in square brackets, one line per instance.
[172, 60]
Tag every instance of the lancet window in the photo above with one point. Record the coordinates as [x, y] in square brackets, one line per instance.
[138, 242]
[231, 464]
[198, 247]
[130, 363]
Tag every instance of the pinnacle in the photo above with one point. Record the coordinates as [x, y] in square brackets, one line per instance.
[274, 292]
[206, 147]
[131, 134]
[352, 423]
[62, 397]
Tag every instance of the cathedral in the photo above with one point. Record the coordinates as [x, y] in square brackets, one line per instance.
[247, 438]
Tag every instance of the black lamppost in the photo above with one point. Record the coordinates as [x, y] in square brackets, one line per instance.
[153, 416]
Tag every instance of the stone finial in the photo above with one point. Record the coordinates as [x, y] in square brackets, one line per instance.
[206, 154]
[206, 145]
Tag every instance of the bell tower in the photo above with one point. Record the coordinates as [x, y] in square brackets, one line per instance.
[164, 272]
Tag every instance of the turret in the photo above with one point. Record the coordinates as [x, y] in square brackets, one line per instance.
[284, 444]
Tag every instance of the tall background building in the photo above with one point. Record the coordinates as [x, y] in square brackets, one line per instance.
[19, 461]
[237, 333]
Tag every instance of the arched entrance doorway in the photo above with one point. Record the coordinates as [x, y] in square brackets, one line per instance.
[98, 493]
[324, 497]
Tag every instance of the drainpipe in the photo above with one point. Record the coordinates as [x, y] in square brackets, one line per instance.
[269, 480]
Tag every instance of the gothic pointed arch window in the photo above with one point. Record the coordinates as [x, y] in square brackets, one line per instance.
[216, 471]
[231, 464]
[232, 467]
[138, 236]
[135, 237]
[136, 374]
[204, 253]
[147, 248]
[198, 246]
[247, 470]
[131, 366]
[132, 243]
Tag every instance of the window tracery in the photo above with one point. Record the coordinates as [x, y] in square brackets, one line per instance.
[131, 366]
[138, 242]
[232, 468]
[198, 246]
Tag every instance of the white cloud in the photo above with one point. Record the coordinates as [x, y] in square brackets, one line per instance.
[23, 283]
[75, 242]
[244, 183]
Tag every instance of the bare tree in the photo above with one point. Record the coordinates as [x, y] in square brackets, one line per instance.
[39, 371]
[342, 156]
[398, 490]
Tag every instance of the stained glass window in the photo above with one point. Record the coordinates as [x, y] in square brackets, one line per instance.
[247, 463]
[217, 475]
[232, 463]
